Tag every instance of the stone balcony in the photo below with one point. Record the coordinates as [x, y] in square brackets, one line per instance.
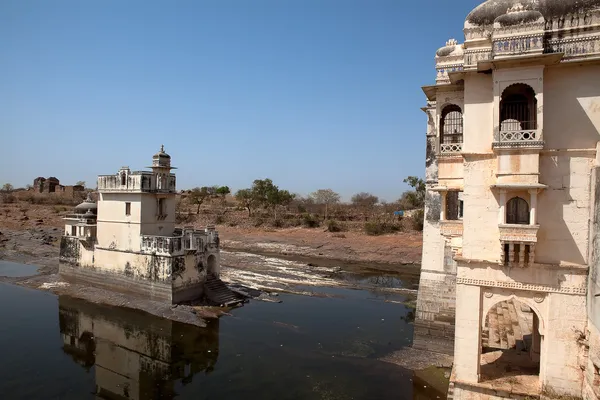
[162, 245]
[518, 244]
[182, 241]
[518, 233]
[451, 228]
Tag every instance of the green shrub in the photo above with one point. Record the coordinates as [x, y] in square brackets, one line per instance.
[219, 219]
[277, 223]
[310, 221]
[376, 228]
[334, 226]
[258, 222]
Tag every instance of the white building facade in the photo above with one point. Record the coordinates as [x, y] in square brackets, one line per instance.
[513, 196]
[131, 242]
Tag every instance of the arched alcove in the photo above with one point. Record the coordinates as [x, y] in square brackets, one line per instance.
[518, 108]
[511, 343]
[211, 265]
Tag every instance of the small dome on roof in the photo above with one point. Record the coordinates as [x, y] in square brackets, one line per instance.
[87, 205]
[161, 153]
[452, 48]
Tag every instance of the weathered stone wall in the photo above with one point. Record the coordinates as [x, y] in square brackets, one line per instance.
[434, 317]
[591, 386]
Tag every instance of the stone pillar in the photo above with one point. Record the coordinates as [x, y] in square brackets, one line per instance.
[467, 345]
[521, 254]
[533, 212]
[443, 207]
[502, 212]
[511, 253]
[534, 352]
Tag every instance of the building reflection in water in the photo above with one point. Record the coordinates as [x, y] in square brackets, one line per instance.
[135, 355]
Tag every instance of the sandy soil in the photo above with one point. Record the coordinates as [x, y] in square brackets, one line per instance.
[400, 248]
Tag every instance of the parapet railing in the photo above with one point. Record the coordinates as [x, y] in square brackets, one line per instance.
[166, 245]
[450, 148]
[519, 138]
[137, 182]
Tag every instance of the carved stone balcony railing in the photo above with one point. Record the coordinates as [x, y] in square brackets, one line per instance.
[520, 138]
[162, 245]
[183, 240]
[451, 228]
[450, 148]
[518, 244]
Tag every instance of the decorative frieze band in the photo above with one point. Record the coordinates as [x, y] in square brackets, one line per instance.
[580, 290]
[473, 57]
[575, 47]
[517, 45]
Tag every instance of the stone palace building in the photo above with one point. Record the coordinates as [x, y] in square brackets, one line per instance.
[128, 240]
[509, 280]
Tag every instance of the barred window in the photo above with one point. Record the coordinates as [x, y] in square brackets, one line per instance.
[451, 127]
[518, 108]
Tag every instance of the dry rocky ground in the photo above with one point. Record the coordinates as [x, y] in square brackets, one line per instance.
[396, 249]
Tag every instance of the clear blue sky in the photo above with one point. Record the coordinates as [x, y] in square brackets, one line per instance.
[310, 93]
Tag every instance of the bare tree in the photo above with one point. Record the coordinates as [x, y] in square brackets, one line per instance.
[7, 187]
[325, 197]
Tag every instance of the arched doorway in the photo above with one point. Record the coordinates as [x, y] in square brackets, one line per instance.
[211, 265]
[511, 347]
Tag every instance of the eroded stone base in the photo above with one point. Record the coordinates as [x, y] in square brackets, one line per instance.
[435, 314]
[159, 291]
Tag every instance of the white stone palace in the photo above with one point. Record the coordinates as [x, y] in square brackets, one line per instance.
[509, 280]
[128, 240]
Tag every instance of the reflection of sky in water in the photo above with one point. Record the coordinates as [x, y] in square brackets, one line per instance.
[303, 348]
[14, 270]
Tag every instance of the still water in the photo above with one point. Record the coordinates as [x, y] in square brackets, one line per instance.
[303, 348]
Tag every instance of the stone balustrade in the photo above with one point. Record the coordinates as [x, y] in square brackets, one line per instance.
[140, 181]
[162, 245]
[450, 148]
[519, 138]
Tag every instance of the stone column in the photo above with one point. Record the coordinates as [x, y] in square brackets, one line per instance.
[522, 254]
[533, 212]
[443, 207]
[502, 212]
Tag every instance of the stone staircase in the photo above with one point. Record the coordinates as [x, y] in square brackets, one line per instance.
[218, 293]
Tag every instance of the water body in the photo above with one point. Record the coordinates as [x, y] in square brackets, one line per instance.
[14, 270]
[303, 348]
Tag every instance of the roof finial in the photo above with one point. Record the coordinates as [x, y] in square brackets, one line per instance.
[162, 148]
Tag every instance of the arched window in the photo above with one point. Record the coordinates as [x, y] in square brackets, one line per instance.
[123, 179]
[517, 211]
[518, 108]
[451, 127]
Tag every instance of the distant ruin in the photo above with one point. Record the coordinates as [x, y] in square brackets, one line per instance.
[52, 185]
